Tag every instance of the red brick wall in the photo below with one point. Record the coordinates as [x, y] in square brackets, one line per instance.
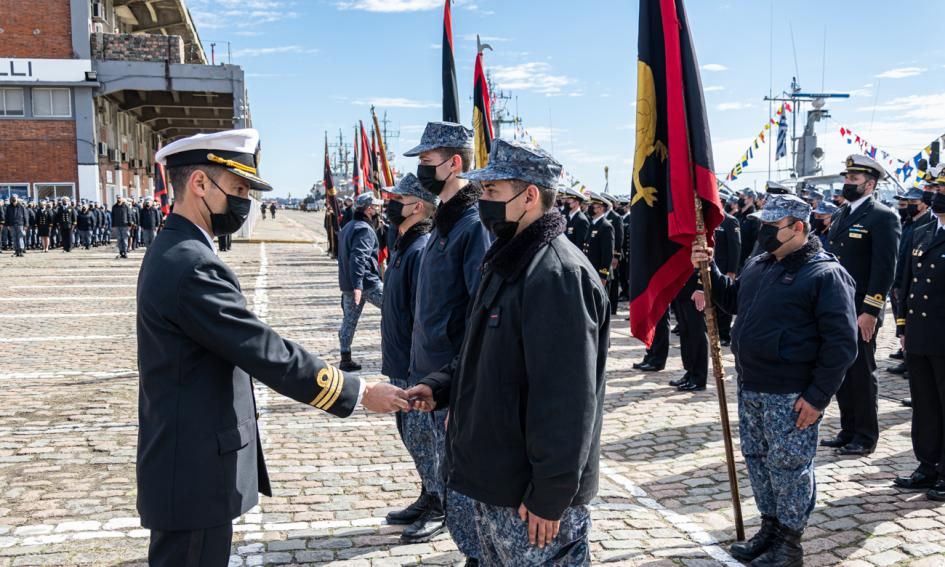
[52, 18]
[37, 150]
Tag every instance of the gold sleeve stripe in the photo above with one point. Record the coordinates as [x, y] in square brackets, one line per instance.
[331, 389]
[874, 302]
[324, 381]
[900, 321]
[340, 386]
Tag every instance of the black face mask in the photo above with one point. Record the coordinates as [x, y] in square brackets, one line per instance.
[912, 210]
[768, 237]
[427, 176]
[492, 214]
[819, 225]
[237, 210]
[851, 192]
[395, 213]
[927, 197]
[903, 213]
[838, 202]
[938, 203]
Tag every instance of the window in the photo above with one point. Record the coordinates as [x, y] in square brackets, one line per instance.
[21, 190]
[52, 191]
[11, 102]
[52, 103]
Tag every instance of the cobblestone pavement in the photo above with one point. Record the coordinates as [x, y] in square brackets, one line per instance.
[68, 386]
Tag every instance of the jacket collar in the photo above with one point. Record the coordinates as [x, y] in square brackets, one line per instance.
[449, 213]
[854, 215]
[413, 233]
[509, 258]
[181, 224]
[797, 259]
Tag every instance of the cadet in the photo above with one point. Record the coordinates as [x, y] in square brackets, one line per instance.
[693, 342]
[728, 251]
[820, 225]
[921, 316]
[775, 188]
[533, 468]
[358, 272]
[120, 221]
[616, 221]
[577, 223]
[262, 210]
[599, 243]
[17, 219]
[150, 220]
[623, 272]
[410, 212]
[200, 461]
[31, 239]
[450, 271]
[44, 222]
[748, 225]
[915, 214]
[66, 219]
[864, 235]
[794, 337]
[83, 224]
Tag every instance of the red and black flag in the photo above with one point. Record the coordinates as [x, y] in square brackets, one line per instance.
[482, 115]
[160, 188]
[672, 163]
[450, 92]
[356, 166]
[329, 182]
[367, 177]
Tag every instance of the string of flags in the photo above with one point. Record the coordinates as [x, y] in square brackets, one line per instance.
[903, 168]
[761, 139]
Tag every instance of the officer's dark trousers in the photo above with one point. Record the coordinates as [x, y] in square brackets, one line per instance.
[927, 386]
[659, 349]
[859, 422]
[612, 287]
[208, 547]
[725, 324]
[624, 273]
[693, 341]
[66, 235]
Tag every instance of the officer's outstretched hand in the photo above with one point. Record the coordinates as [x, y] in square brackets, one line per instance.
[700, 254]
[540, 530]
[382, 397]
[808, 413]
[420, 398]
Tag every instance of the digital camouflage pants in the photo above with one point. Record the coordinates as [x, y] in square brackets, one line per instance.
[351, 313]
[503, 538]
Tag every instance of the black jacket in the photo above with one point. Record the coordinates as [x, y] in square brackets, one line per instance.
[616, 221]
[84, 221]
[796, 326]
[200, 462]
[357, 256]
[866, 242]
[905, 244]
[120, 215]
[16, 215]
[728, 245]
[749, 234]
[65, 216]
[576, 228]
[922, 303]
[150, 217]
[400, 300]
[527, 390]
[599, 246]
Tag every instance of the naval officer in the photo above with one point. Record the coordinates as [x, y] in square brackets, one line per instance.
[200, 461]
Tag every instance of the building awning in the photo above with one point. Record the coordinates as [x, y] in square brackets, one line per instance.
[165, 17]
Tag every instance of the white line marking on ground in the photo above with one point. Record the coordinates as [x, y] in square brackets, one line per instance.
[58, 314]
[72, 286]
[65, 338]
[709, 544]
[21, 299]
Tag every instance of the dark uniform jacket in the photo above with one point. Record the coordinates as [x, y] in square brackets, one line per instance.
[905, 246]
[728, 245]
[626, 236]
[865, 242]
[16, 215]
[44, 217]
[576, 228]
[527, 390]
[748, 226]
[150, 217]
[200, 462]
[922, 302]
[599, 246]
[357, 256]
[134, 215]
[616, 221]
[84, 220]
[400, 300]
[65, 216]
[120, 215]
[796, 326]
[31, 216]
[449, 277]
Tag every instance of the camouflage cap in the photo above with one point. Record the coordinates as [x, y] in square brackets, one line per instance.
[912, 194]
[442, 135]
[366, 199]
[857, 163]
[410, 186]
[814, 194]
[826, 208]
[515, 160]
[778, 207]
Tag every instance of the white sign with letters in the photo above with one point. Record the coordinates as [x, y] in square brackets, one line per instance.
[47, 70]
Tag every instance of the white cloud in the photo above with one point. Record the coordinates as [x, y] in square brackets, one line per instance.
[733, 106]
[239, 14]
[396, 102]
[864, 91]
[535, 76]
[714, 67]
[390, 5]
[281, 50]
[924, 110]
[901, 73]
[713, 89]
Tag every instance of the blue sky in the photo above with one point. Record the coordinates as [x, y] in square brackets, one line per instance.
[317, 65]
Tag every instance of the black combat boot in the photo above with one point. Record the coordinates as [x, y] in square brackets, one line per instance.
[411, 513]
[429, 525]
[347, 364]
[759, 543]
[785, 551]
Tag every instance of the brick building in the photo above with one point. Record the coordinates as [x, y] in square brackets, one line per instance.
[89, 90]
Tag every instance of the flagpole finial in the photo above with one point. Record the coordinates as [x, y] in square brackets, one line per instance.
[481, 46]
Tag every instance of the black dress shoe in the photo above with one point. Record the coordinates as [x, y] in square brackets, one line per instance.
[726, 342]
[897, 355]
[691, 387]
[906, 402]
[648, 367]
[897, 369]
[937, 492]
[429, 525]
[835, 443]
[679, 382]
[637, 365]
[916, 481]
[675, 330]
[855, 450]
[759, 543]
[411, 513]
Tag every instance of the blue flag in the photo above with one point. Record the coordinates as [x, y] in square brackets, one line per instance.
[782, 137]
